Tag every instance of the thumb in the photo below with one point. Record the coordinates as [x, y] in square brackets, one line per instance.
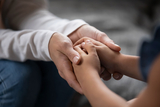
[102, 37]
[117, 75]
[89, 47]
[72, 54]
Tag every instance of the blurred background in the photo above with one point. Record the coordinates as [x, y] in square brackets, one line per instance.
[126, 22]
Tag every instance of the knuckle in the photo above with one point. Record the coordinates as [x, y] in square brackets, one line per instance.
[91, 45]
[65, 44]
[76, 47]
[61, 74]
[70, 84]
[56, 34]
[101, 35]
[94, 54]
[71, 81]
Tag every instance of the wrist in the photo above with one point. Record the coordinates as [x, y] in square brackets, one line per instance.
[117, 62]
[50, 44]
[84, 74]
[87, 75]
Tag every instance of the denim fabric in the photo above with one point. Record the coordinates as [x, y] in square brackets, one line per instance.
[149, 51]
[32, 84]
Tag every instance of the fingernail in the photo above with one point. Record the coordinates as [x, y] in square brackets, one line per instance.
[103, 69]
[75, 59]
[83, 43]
[112, 42]
[116, 44]
[116, 76]
[88, 41]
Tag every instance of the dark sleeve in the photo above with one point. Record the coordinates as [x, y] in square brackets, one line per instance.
[150, 49]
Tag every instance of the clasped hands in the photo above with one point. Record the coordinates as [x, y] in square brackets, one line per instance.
[63, 55]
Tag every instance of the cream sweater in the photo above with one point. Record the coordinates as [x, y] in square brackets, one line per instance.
[29, 28]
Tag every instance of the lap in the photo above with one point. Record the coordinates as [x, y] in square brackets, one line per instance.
[19, 83]
[55, 91]
[32, 82]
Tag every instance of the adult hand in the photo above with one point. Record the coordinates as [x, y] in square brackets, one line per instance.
[91, 32]
[107, 57]
[62, 54]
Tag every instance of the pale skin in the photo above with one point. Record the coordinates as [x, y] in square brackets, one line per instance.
[62, 52]
[87, 73]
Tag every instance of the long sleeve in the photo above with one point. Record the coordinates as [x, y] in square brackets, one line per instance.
[33, 14]
[29, 44]
[25, 44]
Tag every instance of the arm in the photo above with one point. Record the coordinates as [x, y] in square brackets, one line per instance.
[128, 65]
[33, 14]
[25, 44]
[100, 96]
[115, 61]
[93, 87]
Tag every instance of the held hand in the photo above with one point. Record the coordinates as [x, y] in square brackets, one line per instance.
[89, 61]
[91, 32]
[62, 53]
[107, 58]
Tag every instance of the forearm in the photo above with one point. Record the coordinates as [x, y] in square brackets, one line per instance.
[129, 66]
[97, 93]
[100, 96]
[43, 19]
[24, 45]
[36, 16]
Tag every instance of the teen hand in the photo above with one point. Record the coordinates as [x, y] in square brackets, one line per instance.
[107, 58]
[91, 32]
[89, 61]
[62, 52]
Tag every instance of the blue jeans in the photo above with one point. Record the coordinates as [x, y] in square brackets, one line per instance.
[32, 84]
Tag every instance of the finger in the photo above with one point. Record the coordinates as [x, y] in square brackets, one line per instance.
[79, 50]
[79, 41]
[68, 50]
[66, 72]
[85, 51]
[117, 76]
[72, 81]
[89, 47]
[102, 70]
[105, 75]
[102, 37]
[97, 43]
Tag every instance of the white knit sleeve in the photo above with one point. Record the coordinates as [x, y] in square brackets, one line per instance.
[25, 44]
[33, 14]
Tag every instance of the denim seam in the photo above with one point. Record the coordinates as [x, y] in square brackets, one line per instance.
[4, 85]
